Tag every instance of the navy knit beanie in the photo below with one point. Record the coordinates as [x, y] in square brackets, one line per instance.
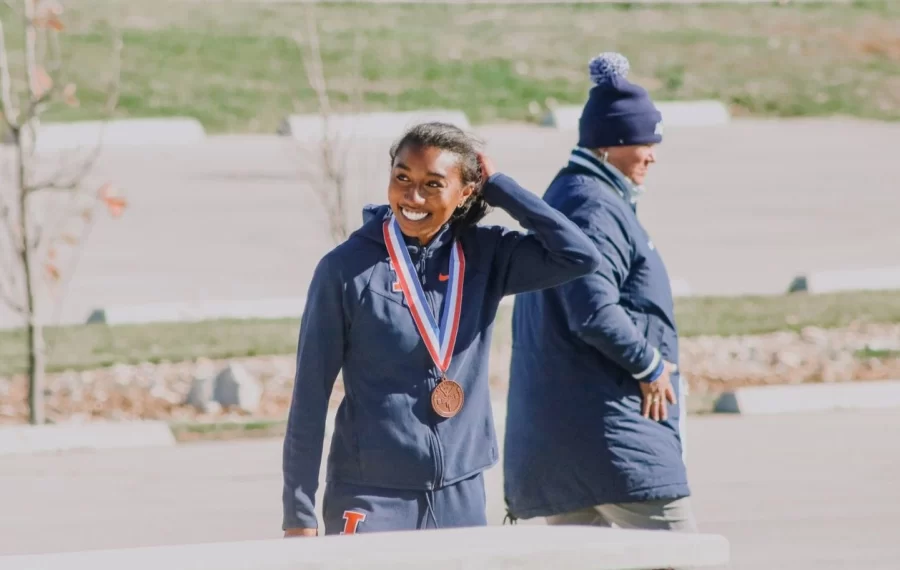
[617, 112]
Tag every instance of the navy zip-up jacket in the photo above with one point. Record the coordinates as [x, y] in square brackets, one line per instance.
[386, 434]
[575, 437]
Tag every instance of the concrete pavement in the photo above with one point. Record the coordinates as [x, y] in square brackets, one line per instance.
[805, 492]
[736, 209]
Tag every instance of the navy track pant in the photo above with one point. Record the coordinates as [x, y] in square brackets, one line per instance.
[351, 509]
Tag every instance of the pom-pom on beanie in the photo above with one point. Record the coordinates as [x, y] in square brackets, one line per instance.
[617, 112]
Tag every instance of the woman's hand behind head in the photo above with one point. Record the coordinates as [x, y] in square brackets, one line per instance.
[487, 166]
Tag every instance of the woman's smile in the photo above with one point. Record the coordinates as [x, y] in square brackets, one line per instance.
[414, 215]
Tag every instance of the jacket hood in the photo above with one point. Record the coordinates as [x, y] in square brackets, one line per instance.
[373, 215]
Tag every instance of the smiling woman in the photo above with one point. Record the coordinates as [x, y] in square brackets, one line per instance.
[405, 308]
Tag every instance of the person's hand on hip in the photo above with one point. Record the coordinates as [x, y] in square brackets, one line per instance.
[655, 394]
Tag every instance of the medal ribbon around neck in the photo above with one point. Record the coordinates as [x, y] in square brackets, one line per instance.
[439, 340]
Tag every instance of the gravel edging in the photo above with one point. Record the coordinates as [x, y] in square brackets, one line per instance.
[711, 365]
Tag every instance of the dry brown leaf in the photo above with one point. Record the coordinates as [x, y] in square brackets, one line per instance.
[116, 206]
[41, 82]
[52, 271]
[115, 203]
[69, 95]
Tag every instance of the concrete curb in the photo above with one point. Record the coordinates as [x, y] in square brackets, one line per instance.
[801, 398]
[870, 279]
[84, 436]
[362, 126]
[87, 135]
[675, 114]
[193, 311]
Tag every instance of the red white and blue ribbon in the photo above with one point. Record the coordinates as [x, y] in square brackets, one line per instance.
[439, 339]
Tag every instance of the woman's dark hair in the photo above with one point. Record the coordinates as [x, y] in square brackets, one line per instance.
[466, 146]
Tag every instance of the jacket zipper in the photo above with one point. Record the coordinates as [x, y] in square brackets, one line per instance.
[421, 264]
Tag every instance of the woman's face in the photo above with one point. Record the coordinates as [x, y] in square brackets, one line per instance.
[426, 187]
[632, 161]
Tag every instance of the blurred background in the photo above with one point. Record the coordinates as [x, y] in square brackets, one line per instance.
[183, 165]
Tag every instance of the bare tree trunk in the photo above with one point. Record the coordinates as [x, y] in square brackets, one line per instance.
[36, 361]
[36, 372]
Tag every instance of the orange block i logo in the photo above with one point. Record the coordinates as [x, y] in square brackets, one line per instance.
[351, 521]
[395, 285]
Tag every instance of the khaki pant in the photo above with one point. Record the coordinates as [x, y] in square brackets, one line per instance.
[674, 515]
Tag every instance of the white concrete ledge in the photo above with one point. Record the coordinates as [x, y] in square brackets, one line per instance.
[675, 114]
[523, 547]
[681, 288]
[870, 279]
[362, 126]
[87, 135]
[193, 311]
[796, 398]
[86, 436]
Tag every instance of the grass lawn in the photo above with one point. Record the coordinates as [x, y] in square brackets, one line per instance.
[94, 346]
[236, 66]
[880, 353]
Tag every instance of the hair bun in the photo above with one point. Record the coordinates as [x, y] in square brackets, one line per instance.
[607, 66]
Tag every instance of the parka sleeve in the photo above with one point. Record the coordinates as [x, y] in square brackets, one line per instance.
[320, 351]
[591, 303]
[553, 251]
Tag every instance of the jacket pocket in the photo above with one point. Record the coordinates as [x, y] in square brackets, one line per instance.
[642, 322]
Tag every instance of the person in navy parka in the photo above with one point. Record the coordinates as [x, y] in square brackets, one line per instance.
[405, 309]
[593, 432]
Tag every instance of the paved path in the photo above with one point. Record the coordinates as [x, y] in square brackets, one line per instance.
[736, 209]
[805, 492]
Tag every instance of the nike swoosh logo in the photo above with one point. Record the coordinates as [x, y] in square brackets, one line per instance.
[443, 277]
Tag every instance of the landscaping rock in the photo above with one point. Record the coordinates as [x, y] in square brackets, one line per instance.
[200, 395]
[235, 387]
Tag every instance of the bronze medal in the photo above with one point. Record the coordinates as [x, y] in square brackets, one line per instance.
[447, 398]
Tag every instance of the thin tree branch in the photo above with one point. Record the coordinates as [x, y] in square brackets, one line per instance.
[9, 284]
[9, 268]
[11, 302]
[36, 103]
[67, 277]
[10, 115]
[56, 181]
[30, 55]
[6, 216]
[115, 82]
[54, 229]
[14, 6]
[333, 156]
